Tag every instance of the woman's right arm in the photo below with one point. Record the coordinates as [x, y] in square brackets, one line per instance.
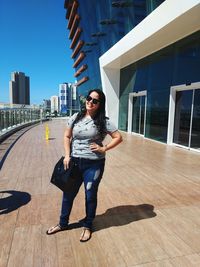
[67, 140]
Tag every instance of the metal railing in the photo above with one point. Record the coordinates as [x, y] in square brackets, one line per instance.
[13, 117]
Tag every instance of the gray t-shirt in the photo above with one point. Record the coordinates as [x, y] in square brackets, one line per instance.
[84, 133]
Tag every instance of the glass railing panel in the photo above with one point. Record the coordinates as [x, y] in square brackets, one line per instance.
[12, 117]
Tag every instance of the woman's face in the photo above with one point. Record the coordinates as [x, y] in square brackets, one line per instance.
[92, 102]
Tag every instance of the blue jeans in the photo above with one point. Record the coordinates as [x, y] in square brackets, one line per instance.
[91, 172]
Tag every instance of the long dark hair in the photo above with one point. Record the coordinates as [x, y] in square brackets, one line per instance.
[99, 117]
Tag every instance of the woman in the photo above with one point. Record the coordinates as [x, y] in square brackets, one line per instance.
[86, 131]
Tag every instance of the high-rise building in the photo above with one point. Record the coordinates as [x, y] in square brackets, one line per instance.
[145, 55]
[75, 98]
[54, 104]
[64, 95]
[69, 101]
[19, 87]
[46, 105]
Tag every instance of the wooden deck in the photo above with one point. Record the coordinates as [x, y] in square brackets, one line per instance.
[148, 213]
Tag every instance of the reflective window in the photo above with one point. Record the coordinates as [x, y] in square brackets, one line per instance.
[176, 64]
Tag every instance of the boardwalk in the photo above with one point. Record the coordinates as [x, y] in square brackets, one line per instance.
[148, 213]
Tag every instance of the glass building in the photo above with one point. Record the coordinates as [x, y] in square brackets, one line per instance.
[145, 55]
[68, 99]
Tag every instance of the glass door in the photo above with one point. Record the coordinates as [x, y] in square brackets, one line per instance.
[195, 132]
[182, 117]
[187, 119]
[138, 114]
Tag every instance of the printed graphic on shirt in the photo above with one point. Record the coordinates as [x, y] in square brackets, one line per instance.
[84, 133]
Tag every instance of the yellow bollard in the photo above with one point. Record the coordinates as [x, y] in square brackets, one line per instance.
[47, 132]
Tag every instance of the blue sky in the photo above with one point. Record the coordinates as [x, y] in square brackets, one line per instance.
[34, 40]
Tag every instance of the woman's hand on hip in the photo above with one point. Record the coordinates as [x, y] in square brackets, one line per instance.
[66, 161]
[97, 148]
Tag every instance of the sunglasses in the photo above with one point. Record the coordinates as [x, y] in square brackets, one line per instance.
[94, 100]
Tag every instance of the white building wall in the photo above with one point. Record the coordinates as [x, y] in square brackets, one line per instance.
[110, 84]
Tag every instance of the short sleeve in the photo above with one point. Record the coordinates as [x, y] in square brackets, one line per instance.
[71, 120]
[111, 128]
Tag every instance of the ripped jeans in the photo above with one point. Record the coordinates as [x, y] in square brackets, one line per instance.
[91, 172]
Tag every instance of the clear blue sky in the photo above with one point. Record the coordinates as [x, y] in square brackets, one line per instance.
[34, 40]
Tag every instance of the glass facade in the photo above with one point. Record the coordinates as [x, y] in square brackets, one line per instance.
[69, 100]
[176, 64]
[187, 119]
[103, 24]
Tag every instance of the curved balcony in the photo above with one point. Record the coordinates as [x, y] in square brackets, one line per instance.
[83, 80]
[68, 6]
[76, 37]
[80, 70]
[72, 14]
[74, 26]
[77, 48]
[14, 119]
[79, 59]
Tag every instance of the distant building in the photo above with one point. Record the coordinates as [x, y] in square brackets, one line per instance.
[75, 98]
[69, 100]
[64, 90]
[54, 104]
[19, 87]
[46, 105]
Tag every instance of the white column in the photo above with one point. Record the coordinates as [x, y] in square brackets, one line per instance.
[110, 78]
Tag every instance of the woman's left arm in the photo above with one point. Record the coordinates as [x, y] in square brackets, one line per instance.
[116, 139]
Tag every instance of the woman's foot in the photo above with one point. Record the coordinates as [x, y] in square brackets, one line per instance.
[55, 229]
[86, 235]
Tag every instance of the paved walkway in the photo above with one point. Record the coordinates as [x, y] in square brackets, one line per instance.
[148, 213]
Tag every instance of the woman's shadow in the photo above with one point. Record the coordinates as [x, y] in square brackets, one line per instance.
[13, 201]
[122, 215]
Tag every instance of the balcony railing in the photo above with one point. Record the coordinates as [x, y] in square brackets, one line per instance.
[13, 117]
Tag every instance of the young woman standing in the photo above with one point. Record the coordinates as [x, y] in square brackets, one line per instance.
[83, 145]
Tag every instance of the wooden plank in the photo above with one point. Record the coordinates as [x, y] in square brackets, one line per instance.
[6, 235]
[26, 247]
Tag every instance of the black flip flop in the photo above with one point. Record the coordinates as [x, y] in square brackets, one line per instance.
[85, 240]
[55, 231]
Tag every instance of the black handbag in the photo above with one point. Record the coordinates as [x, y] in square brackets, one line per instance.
[65, 179]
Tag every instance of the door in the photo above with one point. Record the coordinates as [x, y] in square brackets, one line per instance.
[195, 131]
[187, 118]
[137, 112]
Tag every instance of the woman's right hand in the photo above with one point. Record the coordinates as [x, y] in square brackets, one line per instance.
[66, 161]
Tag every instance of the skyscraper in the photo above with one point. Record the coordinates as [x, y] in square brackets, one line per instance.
[69, 101]
[64, 96]
[19, 87]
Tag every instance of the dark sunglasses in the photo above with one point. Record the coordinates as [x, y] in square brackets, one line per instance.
[94, 100]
